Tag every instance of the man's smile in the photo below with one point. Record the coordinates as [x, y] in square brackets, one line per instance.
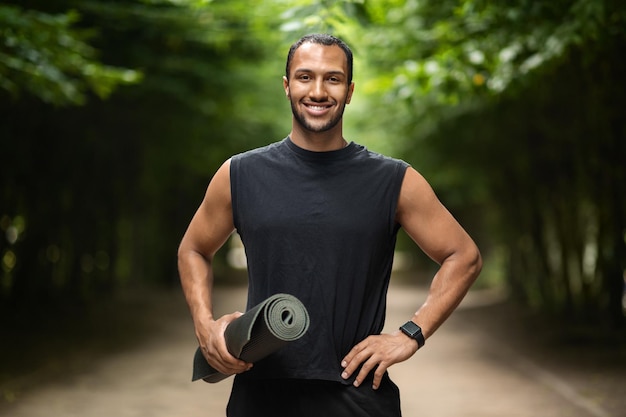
[317, 109]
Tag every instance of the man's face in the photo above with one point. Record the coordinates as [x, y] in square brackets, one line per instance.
[318, 86]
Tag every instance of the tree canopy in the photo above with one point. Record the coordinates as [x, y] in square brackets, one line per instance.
[47, 56]
[116, 114]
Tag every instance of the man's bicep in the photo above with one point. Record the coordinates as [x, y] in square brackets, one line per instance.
[212, 223]
[426, 220]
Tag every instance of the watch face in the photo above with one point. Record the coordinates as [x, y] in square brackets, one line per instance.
[411, 328]
[413, 331]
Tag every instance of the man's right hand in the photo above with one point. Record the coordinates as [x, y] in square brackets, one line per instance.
[210, 336]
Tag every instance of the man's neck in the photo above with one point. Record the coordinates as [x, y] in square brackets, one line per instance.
[331, 140]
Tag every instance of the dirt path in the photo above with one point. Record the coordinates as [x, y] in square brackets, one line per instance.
[469, 369]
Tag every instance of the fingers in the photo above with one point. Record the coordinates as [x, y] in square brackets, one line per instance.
[352, 360]
[223, 361]
[364, 355]
[214, 347]
[376, 354]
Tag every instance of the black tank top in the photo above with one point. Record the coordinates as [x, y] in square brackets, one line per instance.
[320, 226]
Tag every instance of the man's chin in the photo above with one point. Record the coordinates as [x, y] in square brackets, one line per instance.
[316, 127]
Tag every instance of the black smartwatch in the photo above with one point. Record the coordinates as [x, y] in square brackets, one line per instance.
[414, 332]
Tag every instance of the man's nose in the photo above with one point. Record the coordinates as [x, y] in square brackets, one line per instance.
[318, 90]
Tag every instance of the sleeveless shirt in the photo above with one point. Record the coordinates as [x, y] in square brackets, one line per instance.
[320, 226]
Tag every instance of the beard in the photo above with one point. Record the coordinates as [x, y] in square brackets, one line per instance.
[306, 124]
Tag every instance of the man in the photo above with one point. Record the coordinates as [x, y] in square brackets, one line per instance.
[318, 217]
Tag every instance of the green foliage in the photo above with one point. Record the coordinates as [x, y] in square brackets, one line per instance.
[45, 55]
[512, 109]
[117, 113]
[335, 17]
[455, 50]
[551, 171]
[104, 190]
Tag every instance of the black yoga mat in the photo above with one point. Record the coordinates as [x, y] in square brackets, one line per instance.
[262, 330]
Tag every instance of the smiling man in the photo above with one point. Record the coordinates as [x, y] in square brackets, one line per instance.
[318, 217]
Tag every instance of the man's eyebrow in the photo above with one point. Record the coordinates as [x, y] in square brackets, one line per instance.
[334, 72]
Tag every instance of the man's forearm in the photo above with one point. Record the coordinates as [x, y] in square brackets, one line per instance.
[448, 288]
[196, 278]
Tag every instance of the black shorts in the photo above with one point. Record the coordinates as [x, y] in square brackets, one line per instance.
[312, 398]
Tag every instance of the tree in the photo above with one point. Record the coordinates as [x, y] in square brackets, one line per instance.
[493, 98]
[117, 115]
[46, 56]
[96, 195]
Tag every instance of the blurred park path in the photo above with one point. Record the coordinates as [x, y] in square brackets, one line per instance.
[479, 364]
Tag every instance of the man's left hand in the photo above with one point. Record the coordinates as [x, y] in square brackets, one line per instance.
[380, 352]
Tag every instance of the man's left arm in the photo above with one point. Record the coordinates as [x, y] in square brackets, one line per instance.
[439, 235]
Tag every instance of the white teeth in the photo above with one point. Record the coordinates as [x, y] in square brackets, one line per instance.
[317, 107]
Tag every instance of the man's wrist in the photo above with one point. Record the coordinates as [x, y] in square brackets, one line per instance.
[411, 329]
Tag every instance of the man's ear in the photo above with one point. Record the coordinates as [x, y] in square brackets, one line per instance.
[286, 86]
[350, 91]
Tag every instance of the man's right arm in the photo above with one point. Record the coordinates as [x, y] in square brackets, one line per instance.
[209, 229]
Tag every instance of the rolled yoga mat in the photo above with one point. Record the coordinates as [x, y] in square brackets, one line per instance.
[262, 330]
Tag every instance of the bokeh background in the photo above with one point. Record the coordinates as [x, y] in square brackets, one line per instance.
[114, 115]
